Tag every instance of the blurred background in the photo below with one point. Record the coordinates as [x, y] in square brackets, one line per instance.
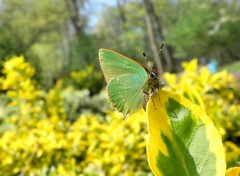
[55, 116]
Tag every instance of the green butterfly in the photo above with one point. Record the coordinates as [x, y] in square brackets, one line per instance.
[130, 84]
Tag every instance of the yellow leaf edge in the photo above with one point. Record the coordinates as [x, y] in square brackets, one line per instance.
[156, 107]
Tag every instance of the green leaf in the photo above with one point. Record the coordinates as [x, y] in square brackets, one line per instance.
[182, 138]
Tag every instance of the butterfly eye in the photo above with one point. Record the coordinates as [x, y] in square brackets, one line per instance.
[153, 75]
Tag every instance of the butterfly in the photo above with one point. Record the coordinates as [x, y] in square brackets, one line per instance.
[129, 84]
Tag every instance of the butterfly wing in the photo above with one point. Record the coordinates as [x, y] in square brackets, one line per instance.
[125, 92]
[114, 64]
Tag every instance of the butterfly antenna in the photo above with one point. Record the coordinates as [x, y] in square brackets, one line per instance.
[160, 50]
[145, 56]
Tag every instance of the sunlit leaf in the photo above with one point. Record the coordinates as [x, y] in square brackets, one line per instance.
[182, 138]
[192, 94]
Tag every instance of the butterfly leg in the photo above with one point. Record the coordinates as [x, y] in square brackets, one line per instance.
[150, 95]
[146, 98]
[146, 95]
[157, 93]
[154, 106]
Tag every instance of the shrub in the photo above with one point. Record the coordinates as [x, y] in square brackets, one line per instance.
[38, 138]
[87, 78]
[55, 133]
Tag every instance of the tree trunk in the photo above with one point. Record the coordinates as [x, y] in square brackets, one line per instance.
[75, 15]
[120, 6]
[122, 16]
[155, 36]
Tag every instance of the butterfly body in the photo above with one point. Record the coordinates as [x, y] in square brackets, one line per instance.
[129, 83]
[152, 83]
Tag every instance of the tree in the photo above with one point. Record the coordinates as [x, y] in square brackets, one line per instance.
[204, 29]
[24, 23]
[121, 28]
[77, 18]
[155, 34]
[34, 29]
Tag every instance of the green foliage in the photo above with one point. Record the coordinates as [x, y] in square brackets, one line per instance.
[84, 51]
[209, 29]
[34, 29]
[27, 21]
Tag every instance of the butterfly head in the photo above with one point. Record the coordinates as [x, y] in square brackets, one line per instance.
[153, 81]
[153, 75]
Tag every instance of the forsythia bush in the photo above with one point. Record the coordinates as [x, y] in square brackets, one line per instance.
[39, 136]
